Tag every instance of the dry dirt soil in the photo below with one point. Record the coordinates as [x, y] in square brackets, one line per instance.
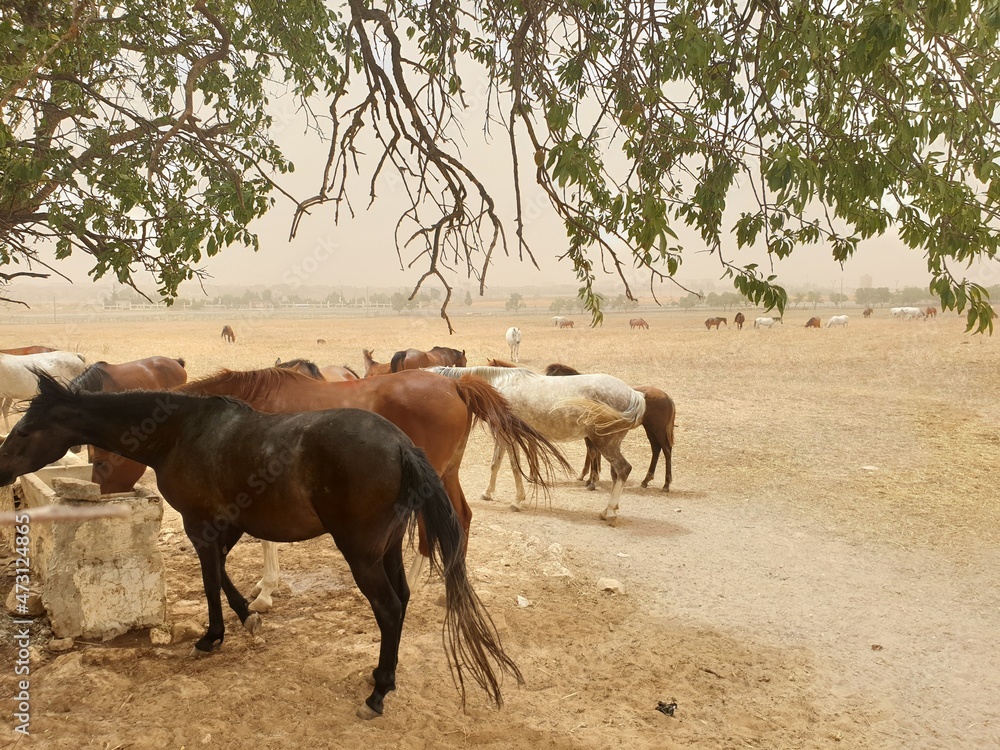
[821, 575]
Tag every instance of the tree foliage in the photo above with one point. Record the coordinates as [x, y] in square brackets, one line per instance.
[138, 132]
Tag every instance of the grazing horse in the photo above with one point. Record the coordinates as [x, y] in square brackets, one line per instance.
[332, 373]
[229, 471]
[638, 323]
[715, 322]
[416, 359]
[658, 421]
[600, 407]
[22, 350]
[557, 320]
[868, 312]
[19, 375]
[564, 323]
[436, 413]
[739, 320]
[911, 312]
[814, 322]
[113, 472]
[372, 367]
[228, 335]
[513, 341]
[931, 312]
[765, 322]
[837, 320]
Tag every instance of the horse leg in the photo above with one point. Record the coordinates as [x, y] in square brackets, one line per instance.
[654, 446]
[237, 602]
[5, 406]
[210, 556]
[270, 580]
[610, 447]
[498, 452]
[520, 495]
[379, 581]
[593, 464]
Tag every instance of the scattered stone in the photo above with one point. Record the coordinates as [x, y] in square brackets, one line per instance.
[666, 708]
[186, 630]
[869, 468]
[36, 655]
[556, 569]
[523, 601]
[555, 548]
[32, 607]
[69, 488]
[159, 637]
[610, 584]
[61, 644]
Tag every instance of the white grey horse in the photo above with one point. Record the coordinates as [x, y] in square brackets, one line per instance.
[18, 381]
[514, 342]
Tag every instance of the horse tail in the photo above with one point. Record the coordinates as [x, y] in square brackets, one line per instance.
[605, 419]
[356, 376]
[491, 407]
[396, 363]
[471, 639]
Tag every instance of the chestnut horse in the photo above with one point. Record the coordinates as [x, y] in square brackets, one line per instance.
[111, 471]
[658, 422]
[739, 320]
[715, 322]
[416, 359]
[565, 324]
[931, 312]
[372, 367]
[638, 323]
[229, 471]
[868, 312]
[814, 322]
[228, 335]
[435, 412]
[332, 373]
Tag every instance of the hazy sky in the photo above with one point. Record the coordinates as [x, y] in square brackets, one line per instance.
[360, 251]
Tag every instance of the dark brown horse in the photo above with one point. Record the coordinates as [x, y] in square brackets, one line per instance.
[113, 472]
[638, 323]
[415, 359]
[22, 350]
[715, 322]
[814, 322]
[868, 312]
[332, 373]
[435, 412]
[565, 324]
[228, 335]
[739, 320]
[658, 421]
[372, 367]
[229, 471]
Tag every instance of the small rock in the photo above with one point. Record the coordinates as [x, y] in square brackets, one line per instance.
[61, 644]
[76, 489]
[206, 739]
[522, 601]
[159, 637]
[557, 570]
[32, 607]
[555, 548]
[186, 630]
[610, 584]
[36, 655]
[869, 468]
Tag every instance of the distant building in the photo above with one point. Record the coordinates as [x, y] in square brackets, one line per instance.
[866, 282]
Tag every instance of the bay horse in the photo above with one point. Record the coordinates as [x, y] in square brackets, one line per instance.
[113, 472]
[22, 350]
[332, 373]
[638, 323]
[435, 413]
[739, 320]
[417, 359]
[657, 421]
[814, 322]
[600, 407]
[228, 335]
[514, 341]
[715, 322]
[19, 375]
[229, 471]
[868, 312]
[931, 312]
[372, 367]
[565, 323]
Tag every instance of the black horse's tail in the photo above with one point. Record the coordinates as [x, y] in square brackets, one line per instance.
[396, 363]
[470, 637]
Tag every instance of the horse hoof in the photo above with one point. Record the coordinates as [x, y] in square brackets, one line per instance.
[256, 591]
[367, 713]
[197, 653]
[260, 605]
[253, 623]
[515, 507]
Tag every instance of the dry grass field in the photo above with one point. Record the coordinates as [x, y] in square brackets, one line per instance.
[822, 574]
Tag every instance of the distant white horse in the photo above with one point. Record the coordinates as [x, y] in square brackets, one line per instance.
[563, 408]
[765, 322]
[896, 312]
[911, 313]
[18, 382]
[558, 319]
[837, 320]
[514, 342]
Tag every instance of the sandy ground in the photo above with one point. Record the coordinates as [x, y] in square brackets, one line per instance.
[821, 575]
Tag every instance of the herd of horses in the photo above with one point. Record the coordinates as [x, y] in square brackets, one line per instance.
[296, 451]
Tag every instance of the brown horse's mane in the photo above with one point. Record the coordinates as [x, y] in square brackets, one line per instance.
[500, 363]
[455, 352]
[559, 369]
[246, 385]
[91, 380]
